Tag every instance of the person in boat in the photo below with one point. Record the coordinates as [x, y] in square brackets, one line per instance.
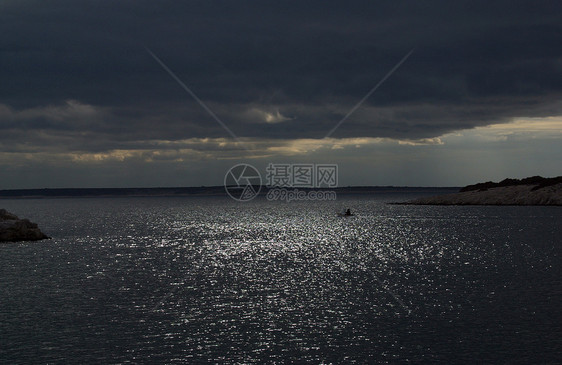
[348, 211]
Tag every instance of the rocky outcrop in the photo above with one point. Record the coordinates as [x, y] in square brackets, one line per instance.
[539, 193]
[13, 229]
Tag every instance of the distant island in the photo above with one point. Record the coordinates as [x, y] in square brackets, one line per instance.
[535, 190]
[13, 229]
[200, 191]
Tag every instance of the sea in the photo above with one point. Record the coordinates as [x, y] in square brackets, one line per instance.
[211, 280]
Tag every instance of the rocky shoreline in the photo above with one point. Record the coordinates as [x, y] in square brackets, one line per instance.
[529, 191]
[13, 229]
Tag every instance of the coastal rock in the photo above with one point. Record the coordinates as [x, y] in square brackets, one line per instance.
[531, 194]
[13, 229]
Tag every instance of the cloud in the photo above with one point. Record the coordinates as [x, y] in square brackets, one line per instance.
[293, 69]
[521, 130]
[271, 117]
[70, 115]
[78, 85]
[422, 142]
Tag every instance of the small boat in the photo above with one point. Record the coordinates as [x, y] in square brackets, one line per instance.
[346, 214]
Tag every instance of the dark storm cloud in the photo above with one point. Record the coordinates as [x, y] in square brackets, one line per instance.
[271, 69]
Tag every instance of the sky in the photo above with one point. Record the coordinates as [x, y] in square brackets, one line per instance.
[174, 93]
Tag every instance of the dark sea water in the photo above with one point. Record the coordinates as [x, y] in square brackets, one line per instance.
[187, 280]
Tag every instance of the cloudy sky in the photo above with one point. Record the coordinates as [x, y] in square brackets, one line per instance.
[91, 92]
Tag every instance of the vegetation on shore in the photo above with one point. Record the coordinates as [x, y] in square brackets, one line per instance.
[539, 182]
[534, 190]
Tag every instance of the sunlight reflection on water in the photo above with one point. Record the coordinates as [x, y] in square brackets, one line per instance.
[209, 279]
